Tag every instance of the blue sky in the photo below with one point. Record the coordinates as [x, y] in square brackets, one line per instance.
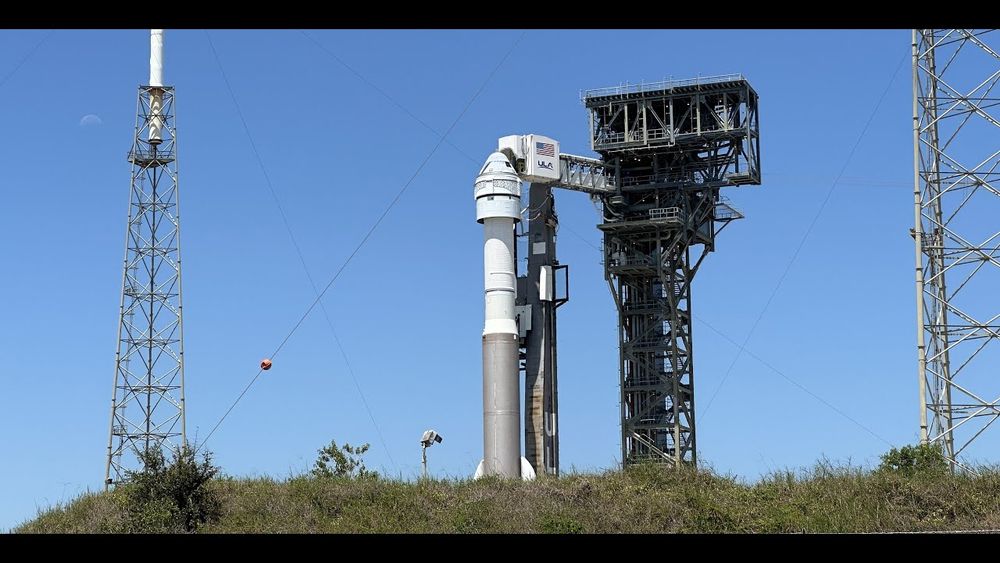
[408, 308]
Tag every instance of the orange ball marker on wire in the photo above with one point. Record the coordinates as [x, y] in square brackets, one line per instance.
[265, 364]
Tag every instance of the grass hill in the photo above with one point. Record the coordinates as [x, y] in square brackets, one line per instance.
[895, 497]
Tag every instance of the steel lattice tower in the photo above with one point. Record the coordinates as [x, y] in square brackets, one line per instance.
[672, 146]
[147, 403]
[956, 205]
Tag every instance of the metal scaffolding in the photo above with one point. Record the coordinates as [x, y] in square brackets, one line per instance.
[537, 300]
[147, 403]
[956, 156]
[671, 146]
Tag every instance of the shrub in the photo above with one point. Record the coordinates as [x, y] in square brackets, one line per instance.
[342, 461]
[558, 524]
[169, 497]
[924, 459]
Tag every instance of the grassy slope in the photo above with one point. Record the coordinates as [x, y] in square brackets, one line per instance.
[641, 500]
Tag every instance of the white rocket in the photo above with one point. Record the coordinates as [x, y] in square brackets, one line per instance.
[498, 203]
[498, 208]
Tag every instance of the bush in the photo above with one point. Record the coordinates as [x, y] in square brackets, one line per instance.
[557, 524]
[909, 461]
[169, 497]
[342, 462]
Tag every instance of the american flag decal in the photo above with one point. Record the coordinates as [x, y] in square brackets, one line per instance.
[545, 149]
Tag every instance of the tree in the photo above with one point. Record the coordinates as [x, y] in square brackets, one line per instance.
[925, 459]
[342, 461]
[172, 496]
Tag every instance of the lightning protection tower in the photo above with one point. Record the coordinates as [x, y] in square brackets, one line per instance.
[147, 403]
[672, 146]
[956, 205]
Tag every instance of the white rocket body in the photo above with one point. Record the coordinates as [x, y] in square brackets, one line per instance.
[498, 202]
[155, 81]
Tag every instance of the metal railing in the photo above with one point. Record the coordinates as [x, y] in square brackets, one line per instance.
[648, 179]
[726, 211]
[667, 214]
[610, 139]
[625, 260]
[166, 155]
[654, 134]
[626, 88]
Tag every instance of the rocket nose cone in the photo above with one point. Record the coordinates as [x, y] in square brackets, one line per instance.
[497, 164]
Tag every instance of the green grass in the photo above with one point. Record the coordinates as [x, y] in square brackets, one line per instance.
[641, 500]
